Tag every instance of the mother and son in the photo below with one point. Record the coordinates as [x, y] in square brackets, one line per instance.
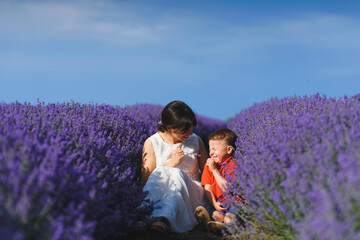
[171, 161]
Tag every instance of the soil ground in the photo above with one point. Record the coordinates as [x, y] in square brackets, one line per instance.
[195, 234]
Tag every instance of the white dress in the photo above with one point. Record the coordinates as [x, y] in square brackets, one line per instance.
[177, 189]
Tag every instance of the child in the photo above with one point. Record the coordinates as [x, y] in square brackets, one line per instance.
[218, 166]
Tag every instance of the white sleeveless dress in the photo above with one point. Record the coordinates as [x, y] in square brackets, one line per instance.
[177, 189]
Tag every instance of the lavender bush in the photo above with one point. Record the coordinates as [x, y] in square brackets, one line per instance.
[67, 171]
[70, 171]
[299, 169]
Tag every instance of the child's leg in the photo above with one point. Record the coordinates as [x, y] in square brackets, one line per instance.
[218, 216]
[229, 218]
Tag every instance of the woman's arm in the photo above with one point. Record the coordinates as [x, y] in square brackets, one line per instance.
[203, 154]
[148, 161]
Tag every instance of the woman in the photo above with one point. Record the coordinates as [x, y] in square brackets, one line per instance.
[171, 161]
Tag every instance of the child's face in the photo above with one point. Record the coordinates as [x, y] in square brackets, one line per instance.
[219, 150]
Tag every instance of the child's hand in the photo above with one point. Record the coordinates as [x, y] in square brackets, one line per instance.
[176, 157]
[218, 206]
[211, 164]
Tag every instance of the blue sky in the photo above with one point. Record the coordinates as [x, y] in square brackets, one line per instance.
[220, 57]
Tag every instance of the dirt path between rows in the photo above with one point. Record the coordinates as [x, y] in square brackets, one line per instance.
[195, 234]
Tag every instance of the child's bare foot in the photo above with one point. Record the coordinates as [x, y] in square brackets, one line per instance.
[202, 216]
[215, 227]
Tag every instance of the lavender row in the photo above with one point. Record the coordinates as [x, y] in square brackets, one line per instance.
[71, 171]
[299, 168]
[67, 171]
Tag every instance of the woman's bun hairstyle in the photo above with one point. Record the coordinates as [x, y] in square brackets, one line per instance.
[161, 127]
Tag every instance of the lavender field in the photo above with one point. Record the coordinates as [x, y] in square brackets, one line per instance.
[71, 171]
[299, 169]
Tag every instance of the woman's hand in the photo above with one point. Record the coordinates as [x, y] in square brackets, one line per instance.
[176, 158]
[211, 164]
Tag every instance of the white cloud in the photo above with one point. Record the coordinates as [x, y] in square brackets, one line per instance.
[320, 30]
[126, 24]
[89, 21]
[185, 40]
[312, 33]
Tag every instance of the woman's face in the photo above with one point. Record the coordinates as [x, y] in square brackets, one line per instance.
[181, 135]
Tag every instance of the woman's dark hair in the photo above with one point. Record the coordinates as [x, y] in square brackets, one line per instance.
[177, 115]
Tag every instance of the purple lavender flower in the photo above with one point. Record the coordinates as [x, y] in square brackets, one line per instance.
[298, 167]
[71, 171]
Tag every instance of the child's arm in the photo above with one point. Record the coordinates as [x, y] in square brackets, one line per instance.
[221, 181]
[212, 199]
